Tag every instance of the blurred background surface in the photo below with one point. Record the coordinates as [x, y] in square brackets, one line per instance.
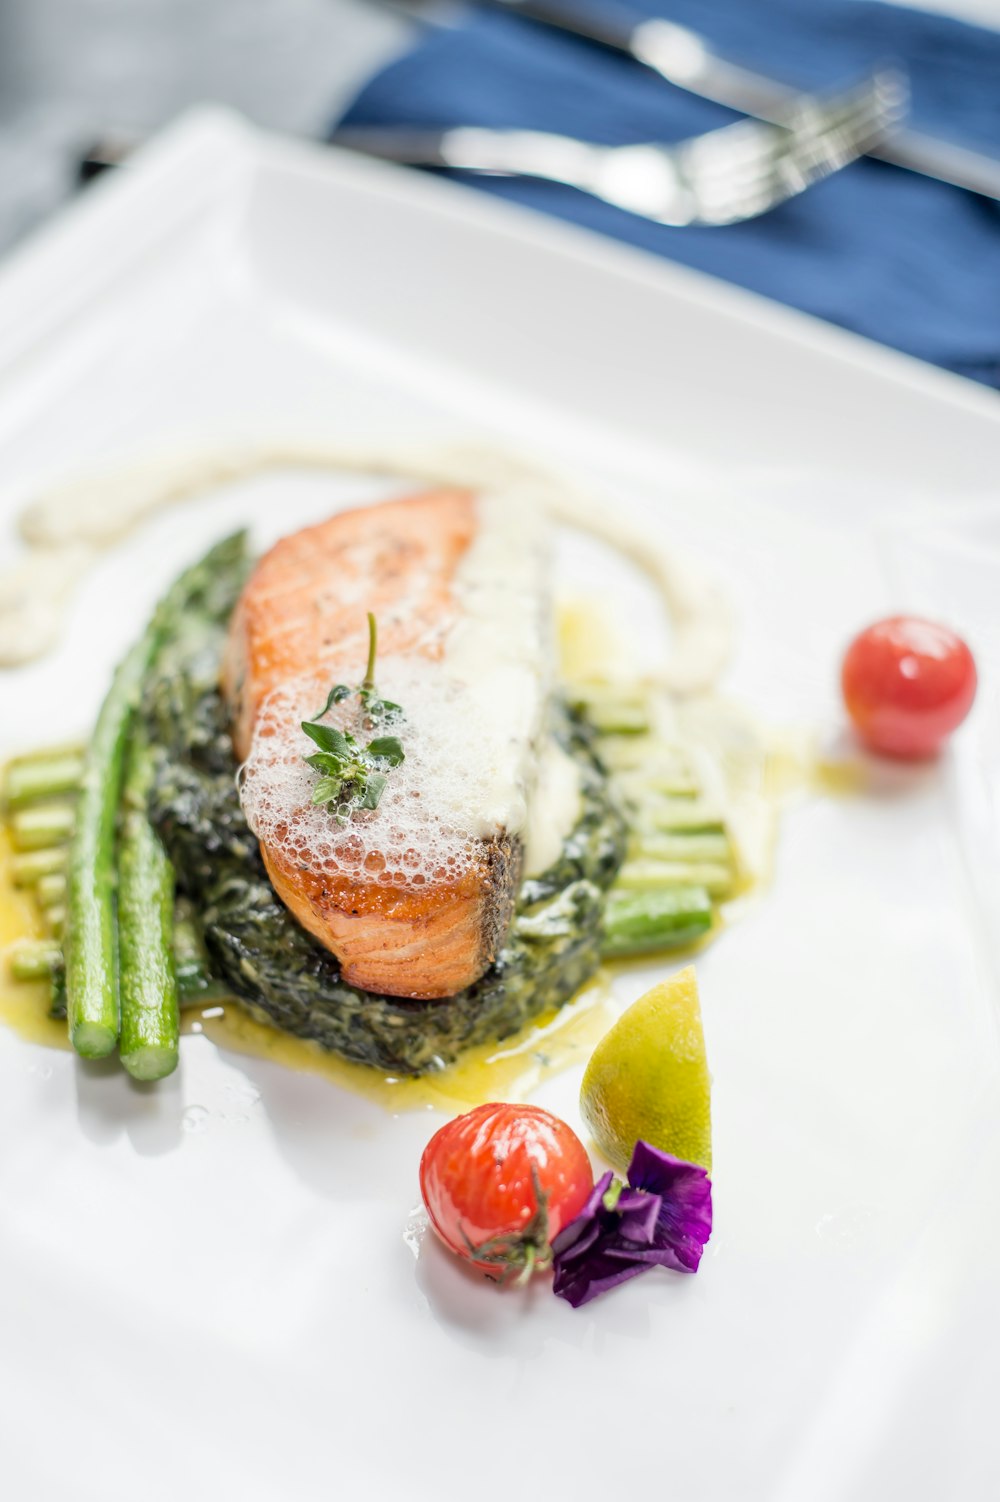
[71, 70]
[74, 69]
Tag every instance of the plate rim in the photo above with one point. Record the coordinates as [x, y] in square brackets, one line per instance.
[47, 280]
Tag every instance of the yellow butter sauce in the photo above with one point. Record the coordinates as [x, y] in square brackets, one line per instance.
[24, 1005]
[510, 1070]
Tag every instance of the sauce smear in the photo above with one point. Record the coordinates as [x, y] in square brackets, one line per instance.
[510, 1070]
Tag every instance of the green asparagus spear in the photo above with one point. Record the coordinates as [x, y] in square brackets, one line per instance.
[644, 922]
[147, 977]
[89, 941]
[196, 984]
[42, 826]
[49, 774]
[91, 951]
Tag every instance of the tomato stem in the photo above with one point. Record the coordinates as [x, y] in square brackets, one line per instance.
[517, 1255]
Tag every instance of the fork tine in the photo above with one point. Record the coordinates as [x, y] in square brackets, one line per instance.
[818, 139]
[845, 136]
[862, 120]
[739, 154]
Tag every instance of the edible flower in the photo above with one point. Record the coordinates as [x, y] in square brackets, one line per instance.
[662, 1217]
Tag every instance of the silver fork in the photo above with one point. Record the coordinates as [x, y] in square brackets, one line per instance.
[722, 177]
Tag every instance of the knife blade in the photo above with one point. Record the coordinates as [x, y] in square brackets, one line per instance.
[686, 60]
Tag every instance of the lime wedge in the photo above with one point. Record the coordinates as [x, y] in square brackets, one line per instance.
[648, 1078]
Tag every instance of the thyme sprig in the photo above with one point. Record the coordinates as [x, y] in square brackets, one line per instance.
[354, 774]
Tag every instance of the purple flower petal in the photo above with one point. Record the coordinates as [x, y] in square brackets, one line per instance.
[663, 1219]
[584, 1231]
[685, 1190]
[638, 1214]
[600, 1275]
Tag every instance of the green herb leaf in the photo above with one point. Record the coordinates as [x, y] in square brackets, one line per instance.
[376, 708]
[337, 695]
[349, 770]
[326, 790]
[388, 747]
[374, 788]
[336, 742]
[324, 762]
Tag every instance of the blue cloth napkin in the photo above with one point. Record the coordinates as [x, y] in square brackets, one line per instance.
[905, 260]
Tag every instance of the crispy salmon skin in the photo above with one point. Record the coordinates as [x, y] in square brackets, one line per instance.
[414, 898]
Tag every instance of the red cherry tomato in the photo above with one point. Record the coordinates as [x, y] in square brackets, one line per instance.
[907, 684]
[501, 1182]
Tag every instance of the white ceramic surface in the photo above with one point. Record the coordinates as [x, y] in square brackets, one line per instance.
[215, 1288]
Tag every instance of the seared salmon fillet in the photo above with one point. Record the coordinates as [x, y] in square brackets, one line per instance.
[414, 897]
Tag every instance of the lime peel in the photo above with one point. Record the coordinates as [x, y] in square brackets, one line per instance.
[648, 1080]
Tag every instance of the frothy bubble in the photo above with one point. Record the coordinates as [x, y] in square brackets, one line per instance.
[427, 827]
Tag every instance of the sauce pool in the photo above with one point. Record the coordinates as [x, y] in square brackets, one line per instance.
[510, 1070]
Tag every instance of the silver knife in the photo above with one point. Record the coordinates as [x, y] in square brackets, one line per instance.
[685, 59]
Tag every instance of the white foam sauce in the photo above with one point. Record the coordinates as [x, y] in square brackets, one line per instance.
[498, 659]
[67, 525]
[472, 726]
[554, 808]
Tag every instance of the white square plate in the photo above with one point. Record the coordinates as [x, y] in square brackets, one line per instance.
[245, 1309]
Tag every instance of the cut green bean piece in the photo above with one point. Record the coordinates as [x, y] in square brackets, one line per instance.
[50, 891]
[663, 781]
[147, 976]
[41, 826]
[50, 774]
[651, 875]
[614, 710]
[30, 866]
[35, 959]
[686, 848]
[642, 754]
[622, 718]
[672, 814]
[644, 922]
